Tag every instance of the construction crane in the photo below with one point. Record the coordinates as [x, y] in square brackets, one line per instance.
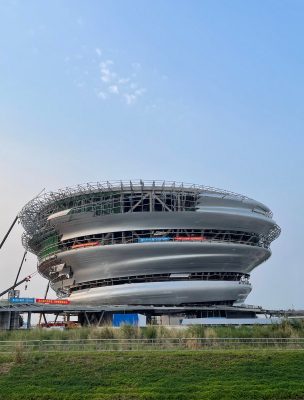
[8, 232]
[26, 279]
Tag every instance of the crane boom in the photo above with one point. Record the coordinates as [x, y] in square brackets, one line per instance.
[8, 232]
[19, 270]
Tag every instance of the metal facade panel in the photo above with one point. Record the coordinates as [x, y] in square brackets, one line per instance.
[181, 292]
[147, 258]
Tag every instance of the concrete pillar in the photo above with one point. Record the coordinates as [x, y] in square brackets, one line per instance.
[29, 316]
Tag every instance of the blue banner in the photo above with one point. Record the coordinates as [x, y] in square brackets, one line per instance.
[154, 239]
[22, 300]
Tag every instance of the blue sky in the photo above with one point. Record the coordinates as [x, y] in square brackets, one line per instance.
[209, 92]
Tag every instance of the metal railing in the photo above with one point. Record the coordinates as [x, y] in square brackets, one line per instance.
[195, 344]
[109, 240]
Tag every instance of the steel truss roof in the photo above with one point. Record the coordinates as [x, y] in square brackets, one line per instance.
[34, 207]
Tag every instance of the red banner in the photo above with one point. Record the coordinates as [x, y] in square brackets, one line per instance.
[52, 301]
[189, 238]
[80, 245]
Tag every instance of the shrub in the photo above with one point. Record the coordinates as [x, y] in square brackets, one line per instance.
[195, 331]
[19, 354]
[150, 332]
[102, 333]
[129, 332]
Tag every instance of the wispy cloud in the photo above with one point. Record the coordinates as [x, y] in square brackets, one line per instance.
[131, 98]
[98, 51]
[102, 95]
[126, 88]
[112, 81]
[123, 81]
[114, 89]
[106, 74]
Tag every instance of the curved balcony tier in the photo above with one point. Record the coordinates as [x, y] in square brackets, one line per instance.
[75, 225]
[102, 262]
[165, 293]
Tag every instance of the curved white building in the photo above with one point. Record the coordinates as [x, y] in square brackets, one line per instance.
[148, 243]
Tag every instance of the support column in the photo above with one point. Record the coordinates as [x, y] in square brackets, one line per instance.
[29, 316]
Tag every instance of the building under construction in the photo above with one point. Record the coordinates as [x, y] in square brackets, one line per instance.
[162, 249]
[148, 243]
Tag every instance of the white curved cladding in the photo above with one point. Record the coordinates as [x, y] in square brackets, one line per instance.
[214, 200]
[102, 262]
[75, 225]
[159, 293]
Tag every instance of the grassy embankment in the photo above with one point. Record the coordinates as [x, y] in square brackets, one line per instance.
[208, 375]
[292, 329]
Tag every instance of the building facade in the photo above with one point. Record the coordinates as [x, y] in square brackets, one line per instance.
[148, 242]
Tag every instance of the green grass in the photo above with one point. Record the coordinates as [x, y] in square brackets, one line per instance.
[208, 375]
